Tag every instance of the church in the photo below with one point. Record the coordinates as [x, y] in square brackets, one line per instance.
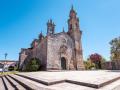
[56, 51]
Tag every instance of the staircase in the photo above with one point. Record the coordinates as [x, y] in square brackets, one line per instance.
[60, 81]
[15, 82]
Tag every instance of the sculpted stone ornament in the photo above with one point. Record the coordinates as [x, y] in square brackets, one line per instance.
[63, 49]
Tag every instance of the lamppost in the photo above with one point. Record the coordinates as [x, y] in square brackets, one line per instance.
[5, 61]
[6, 55]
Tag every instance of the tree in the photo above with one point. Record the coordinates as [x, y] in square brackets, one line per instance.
[89, 65]
[96, 58]
[115, 49]
[33, 65]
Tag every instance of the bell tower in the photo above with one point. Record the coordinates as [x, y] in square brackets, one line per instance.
[73, 22]
[50, 27]
[75, 34]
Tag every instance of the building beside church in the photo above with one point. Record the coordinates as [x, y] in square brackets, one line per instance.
[56, 51]
[5, 64]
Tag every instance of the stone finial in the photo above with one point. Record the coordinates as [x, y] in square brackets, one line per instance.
[50, 20]
[50, 27]
[72, 8]
[41, 35]
[72, 12]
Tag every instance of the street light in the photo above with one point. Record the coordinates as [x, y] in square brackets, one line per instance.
[6, 55]
[5, 61]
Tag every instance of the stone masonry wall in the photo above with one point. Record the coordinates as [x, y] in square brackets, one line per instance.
[40, 52]
[55, 50]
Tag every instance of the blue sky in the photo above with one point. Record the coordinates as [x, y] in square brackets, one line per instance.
[22, 20]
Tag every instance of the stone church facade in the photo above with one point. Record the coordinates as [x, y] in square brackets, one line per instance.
[57, 51]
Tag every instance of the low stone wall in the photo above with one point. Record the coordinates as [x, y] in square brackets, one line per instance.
[112, 65]
[116, 64]
[107, 65]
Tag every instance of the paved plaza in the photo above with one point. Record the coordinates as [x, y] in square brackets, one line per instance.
[64, 80]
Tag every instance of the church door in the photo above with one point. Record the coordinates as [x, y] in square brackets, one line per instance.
[63, 63]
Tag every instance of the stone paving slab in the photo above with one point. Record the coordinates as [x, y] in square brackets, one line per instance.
[112, 86]
[95, 79]
[29, 84]
[69, 86]
[43, 81]
[2, 87]
[15, 84]
[8, 85]
[60, 86]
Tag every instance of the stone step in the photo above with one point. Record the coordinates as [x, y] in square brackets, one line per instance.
[43, 81]
[2, 87]
[29, 84]
[7, 84]
[93, 79]
[15, 84]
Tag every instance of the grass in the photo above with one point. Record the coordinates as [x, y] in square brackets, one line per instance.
[6, 73]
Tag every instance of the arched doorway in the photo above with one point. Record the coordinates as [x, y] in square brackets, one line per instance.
[63, 63]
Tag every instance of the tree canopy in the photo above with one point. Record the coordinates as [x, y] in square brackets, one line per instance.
[97, 60]
[95, 57]
[89, 65]
[115, 49]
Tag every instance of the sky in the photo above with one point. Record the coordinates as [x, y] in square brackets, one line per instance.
[21, 21]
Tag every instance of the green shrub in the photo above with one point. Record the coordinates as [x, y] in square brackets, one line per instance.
[33, 65]
[11, 68]
[89, 65]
